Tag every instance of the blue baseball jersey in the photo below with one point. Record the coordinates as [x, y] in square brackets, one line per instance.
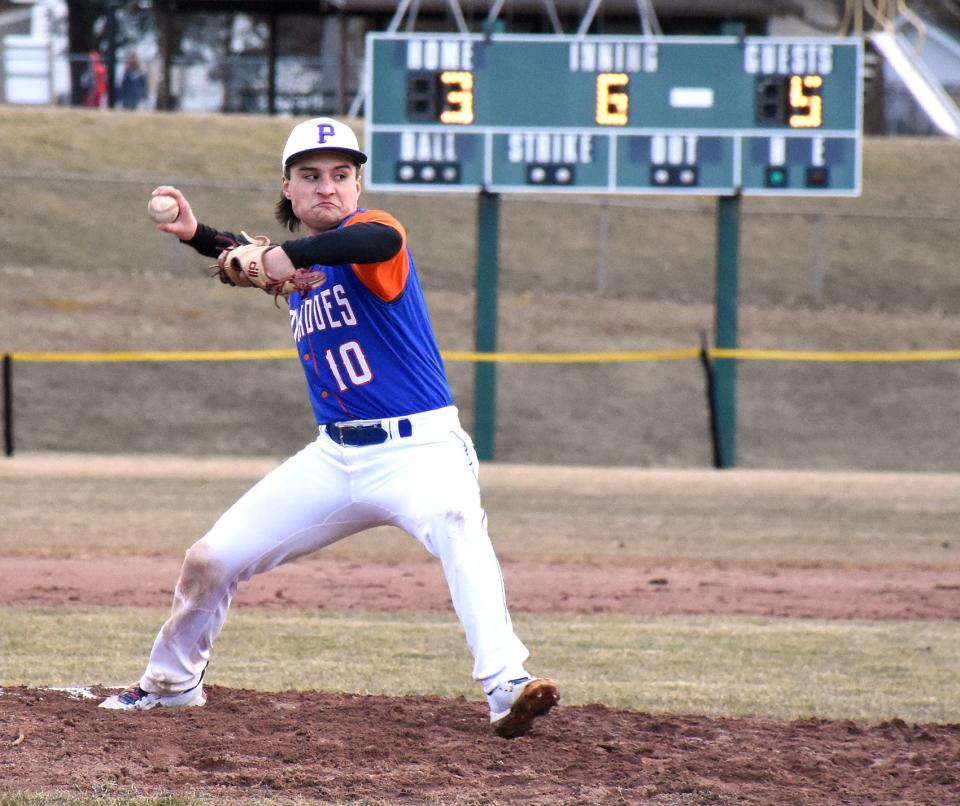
[365, 340]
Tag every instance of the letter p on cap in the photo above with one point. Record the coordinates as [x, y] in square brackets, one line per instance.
[325, 130]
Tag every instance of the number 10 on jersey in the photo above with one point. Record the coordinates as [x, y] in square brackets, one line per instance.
[352, 359]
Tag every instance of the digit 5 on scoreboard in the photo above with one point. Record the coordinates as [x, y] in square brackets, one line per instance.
[440, 97]
[794, 101]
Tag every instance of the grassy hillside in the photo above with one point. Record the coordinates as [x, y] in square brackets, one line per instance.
[82, 268]
[80, 169]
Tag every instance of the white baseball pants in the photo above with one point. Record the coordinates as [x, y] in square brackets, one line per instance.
[425, 483]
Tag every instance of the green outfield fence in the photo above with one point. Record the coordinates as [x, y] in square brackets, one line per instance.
[706, 355]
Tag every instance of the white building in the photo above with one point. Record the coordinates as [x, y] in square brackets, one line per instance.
[30, 71]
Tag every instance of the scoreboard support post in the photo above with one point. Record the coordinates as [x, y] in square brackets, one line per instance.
[727, 301]
[488, 281]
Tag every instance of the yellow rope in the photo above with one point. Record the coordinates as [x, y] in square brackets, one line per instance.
[848, 355]
[740, 354]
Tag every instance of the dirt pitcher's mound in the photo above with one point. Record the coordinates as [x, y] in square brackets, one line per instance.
[335, 747]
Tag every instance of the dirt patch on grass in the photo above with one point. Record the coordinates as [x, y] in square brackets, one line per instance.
[334, 583]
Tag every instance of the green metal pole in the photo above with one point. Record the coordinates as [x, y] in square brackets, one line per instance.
[7, 404]
[485, 372]
[727, 297]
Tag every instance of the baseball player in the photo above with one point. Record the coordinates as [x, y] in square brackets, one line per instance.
[390, 448]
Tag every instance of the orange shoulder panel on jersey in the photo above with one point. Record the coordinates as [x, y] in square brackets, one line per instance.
[388, 278]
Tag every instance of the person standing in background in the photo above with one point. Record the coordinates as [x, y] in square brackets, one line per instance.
[94, 82]
[133, 85]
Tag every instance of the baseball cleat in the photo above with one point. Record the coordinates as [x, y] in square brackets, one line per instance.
[516, 703]
[136, 699]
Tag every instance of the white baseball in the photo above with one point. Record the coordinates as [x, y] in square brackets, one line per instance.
[163, 209]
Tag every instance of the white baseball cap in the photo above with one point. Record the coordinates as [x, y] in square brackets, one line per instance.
[321, 134]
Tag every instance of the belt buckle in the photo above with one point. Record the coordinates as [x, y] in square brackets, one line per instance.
[335, 432]
[362, 432]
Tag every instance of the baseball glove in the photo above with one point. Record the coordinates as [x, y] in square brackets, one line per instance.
[243, 265]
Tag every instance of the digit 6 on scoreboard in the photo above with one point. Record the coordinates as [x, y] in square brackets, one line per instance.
[613, 103]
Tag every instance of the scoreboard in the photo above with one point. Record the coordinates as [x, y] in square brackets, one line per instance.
[610, 114]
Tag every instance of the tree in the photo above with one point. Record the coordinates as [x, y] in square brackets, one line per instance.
[82, 16]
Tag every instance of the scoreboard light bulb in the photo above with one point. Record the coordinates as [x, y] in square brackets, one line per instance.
[406, 173]
[563, 175]
[776, 177]
[450, 173]
[661, 176]
[537, 174]
[818, 176]
[428, 173]
[687, 176]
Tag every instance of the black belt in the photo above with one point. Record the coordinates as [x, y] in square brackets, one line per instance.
[355, 436]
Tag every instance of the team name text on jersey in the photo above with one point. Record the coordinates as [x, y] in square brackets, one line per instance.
[329, 308]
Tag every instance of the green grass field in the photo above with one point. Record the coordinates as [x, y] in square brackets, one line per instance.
[568, 515]
[779, 668]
